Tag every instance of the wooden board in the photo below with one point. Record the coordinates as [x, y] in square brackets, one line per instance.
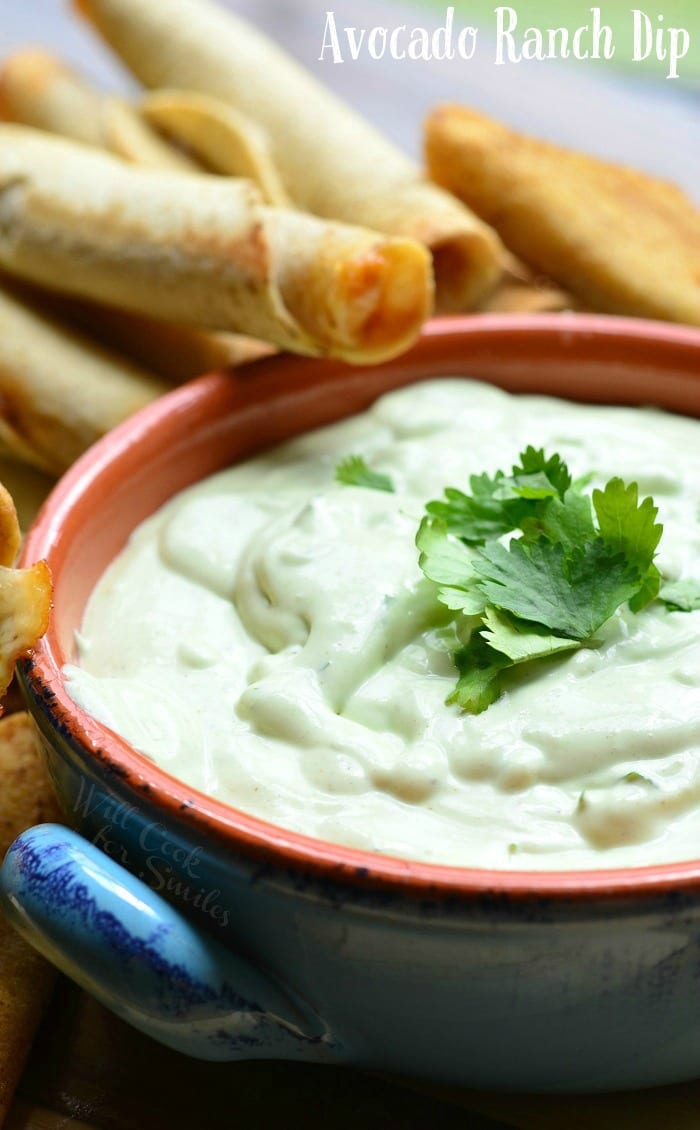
[90, 1069]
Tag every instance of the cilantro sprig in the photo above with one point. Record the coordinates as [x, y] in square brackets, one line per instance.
[354, 471]
[577, 559]
[505, 502]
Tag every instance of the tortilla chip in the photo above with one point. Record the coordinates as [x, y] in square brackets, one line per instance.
[25, 604]
[620, 241]
[25, 596]
[10, 536]
[26, 980]
[28, 487]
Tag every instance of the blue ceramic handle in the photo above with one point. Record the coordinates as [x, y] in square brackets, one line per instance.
[136, 953]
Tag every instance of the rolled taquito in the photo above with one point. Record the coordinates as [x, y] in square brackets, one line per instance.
[332, 162]
[59, 392]
[38, 90]
[176, 353]
[205, 251]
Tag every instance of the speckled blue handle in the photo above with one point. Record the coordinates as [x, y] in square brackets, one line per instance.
[130, 948]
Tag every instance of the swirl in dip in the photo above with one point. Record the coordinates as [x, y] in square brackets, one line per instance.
[269, 638]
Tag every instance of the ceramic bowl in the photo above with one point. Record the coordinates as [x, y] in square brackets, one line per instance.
[227, 937]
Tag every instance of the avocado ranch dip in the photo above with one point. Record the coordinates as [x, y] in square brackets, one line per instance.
[269, 638]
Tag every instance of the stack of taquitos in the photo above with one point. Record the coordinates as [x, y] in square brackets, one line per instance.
[330, 161]
[204, 250]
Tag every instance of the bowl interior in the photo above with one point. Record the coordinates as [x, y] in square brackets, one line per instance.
[222, 419]
[216, 420]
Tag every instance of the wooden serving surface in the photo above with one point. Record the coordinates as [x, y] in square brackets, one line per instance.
[90, 1070]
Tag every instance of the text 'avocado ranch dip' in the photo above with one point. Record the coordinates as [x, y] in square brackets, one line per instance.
[269, 638]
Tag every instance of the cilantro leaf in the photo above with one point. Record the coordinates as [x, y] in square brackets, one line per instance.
[479, 683]
[501, 503]
[447, 561]
[533, 487]
[651, 583]
[602, 580]
[521, 641]
[568, 521]
[630, 527]
[576, 561]
[681, 596]
[570, 594]
[553, 470]
[481, 516]
[626, 524]
[353, 471]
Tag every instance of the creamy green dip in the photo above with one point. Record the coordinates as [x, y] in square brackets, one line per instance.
[269, 638]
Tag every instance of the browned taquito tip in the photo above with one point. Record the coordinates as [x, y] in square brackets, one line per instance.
[401, 277]
[468, 265]
[449, 132]
[467, 268]
[32, 63]
[370, 305]
[31, 69]
[86, 10]
[437, 124]
[40, 91]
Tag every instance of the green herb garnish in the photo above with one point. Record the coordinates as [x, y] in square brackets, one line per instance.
[503, 503]
[353, 471]
[635, 778]
[577, 560]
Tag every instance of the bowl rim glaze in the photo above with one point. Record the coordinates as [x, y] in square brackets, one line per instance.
[676, 346]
